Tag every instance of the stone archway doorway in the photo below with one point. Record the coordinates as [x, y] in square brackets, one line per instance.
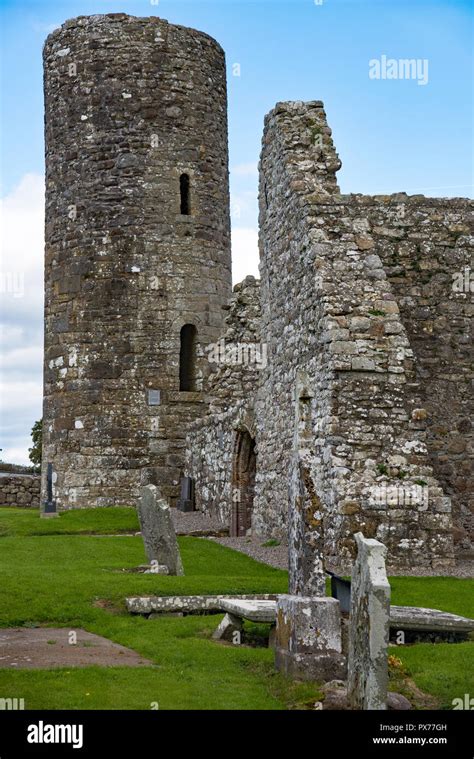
[243, 483]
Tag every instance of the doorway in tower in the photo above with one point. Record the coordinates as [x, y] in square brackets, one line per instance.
[243, 483]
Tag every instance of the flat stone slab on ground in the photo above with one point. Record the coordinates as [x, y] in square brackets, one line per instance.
[47, 648]
[401, 617]
[188, 604]
[428, 620]
[256, 610]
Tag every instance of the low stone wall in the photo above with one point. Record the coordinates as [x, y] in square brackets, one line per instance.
[21, 490]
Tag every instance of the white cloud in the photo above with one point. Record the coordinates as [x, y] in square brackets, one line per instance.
[16, 361]
[21, 314]
[25, 395]
[44, 27]
[245, 169]
[244, 253]
[244, 206]
[17, 455]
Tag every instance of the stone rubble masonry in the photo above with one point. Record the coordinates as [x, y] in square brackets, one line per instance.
[329, 312]
[131, 105]
[363, 313]
[20, 490]
[369, 627]
[360, 318]
[231, 391]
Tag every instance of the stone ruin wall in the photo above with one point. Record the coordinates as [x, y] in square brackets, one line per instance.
[231, 390]
[330, 315]
[130, 105]
[427, 249]
[346, 296]
[22, 491]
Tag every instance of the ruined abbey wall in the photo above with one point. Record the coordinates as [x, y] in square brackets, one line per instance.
[339, 384]
[332, 325]
[427, 249]
[339, 413]
[132, 106]
[237, 360]
[364, 336]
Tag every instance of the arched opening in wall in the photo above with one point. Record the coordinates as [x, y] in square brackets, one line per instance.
[185, 195]
[243, 483]
[187, 358]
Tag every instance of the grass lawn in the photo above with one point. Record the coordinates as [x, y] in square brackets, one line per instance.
[54, 572]
[16, 522]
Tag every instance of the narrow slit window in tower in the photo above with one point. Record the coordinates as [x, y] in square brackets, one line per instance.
[185, 207]
[187, 358]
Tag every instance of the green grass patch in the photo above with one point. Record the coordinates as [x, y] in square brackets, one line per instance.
[444, 670]
[59, 579]
[18, 522]
[55, 573]
[444, 593]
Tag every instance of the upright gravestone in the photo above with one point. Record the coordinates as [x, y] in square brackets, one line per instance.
[49, 509]
[158, 531]
[369, 627]
[186, 499]
[308, 641]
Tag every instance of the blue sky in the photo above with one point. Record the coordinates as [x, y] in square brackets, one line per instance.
[391, 135]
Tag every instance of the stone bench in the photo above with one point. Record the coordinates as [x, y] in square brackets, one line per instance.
[237, 609]
[262, 608]
[150, 606]
[402, 618]
[422, 622]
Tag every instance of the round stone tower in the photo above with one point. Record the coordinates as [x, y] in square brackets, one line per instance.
[137, 251]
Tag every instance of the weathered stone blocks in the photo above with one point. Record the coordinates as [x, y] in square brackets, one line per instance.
[158, 532]
[308, 638]
[369, 627]
[20, 490]
[132, 105]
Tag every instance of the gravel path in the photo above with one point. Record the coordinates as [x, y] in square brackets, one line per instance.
[463, 569]
[196, 523]
[275, 556]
